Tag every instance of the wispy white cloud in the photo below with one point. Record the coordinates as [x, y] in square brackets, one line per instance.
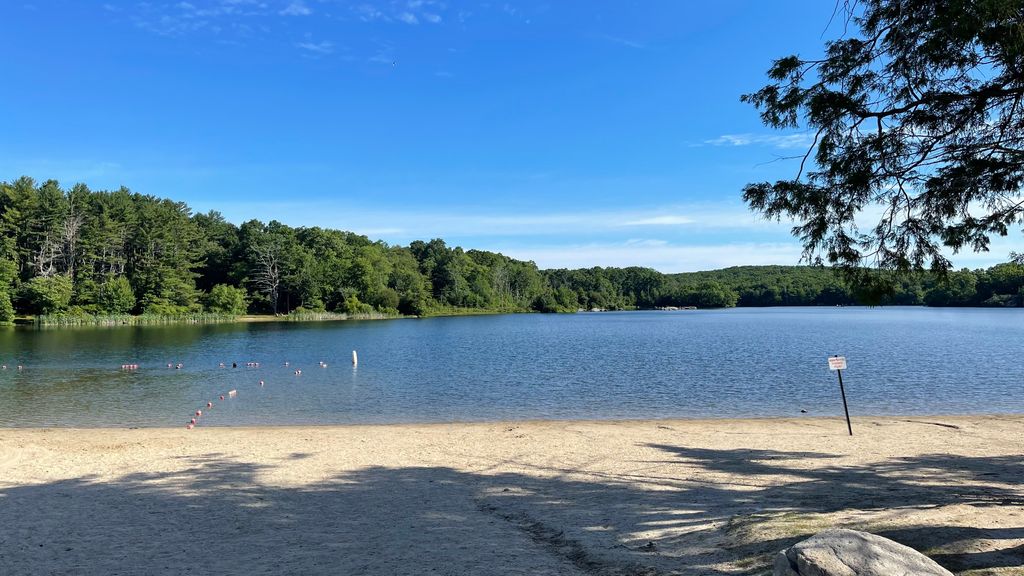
[626, 42]
[801, 140]
[553, 239]
[324, 47]
[296, 8]
[699, 220]
[663, 256]
[664, 220]
[411, 12]
[646, 242]
[369, 13]
[185, 17]
[235, 22]
[384, 54]
[999, 252]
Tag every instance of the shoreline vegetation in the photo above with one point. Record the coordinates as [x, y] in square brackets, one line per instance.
[61, 320]
[81, 257]
[82, 319]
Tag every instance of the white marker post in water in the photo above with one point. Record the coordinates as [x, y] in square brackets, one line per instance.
[838, 363]
[355, 358]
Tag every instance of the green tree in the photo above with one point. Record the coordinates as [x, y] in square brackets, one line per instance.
[227, 299]
[7, 313]
[265, 253]
[8, 272]
[956, 289]
[919, 115]
[115, 296]
[163, 253]
[220, 250]
[705, 294]
[413, 288]
[47, 294]
[352, 305]
[110, 225]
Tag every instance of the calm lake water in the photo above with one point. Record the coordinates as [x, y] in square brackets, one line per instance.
[722, 363]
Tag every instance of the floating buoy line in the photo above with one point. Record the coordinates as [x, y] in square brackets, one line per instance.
[230, 394]
[233, 393]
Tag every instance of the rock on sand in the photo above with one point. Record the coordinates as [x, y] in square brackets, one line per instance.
[852, 553]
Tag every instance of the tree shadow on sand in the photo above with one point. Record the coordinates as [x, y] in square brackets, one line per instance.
[715, 512]
[933, 503]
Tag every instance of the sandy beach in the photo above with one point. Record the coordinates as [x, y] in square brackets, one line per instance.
[606, 498]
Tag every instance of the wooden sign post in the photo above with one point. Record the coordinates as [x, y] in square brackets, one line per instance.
[838, 363]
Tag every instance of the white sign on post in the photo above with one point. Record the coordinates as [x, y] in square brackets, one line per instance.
[837, 363]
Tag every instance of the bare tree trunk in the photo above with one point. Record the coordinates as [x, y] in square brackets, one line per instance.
[49, 251]
[267, 276]
[69, 241]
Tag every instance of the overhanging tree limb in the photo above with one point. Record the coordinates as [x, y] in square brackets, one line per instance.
[941, 84]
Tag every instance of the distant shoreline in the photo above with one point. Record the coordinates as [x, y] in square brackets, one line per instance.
[333, 317]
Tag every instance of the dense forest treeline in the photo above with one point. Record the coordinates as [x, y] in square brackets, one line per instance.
[79, 252]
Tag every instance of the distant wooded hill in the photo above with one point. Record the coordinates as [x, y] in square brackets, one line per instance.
[81, 252]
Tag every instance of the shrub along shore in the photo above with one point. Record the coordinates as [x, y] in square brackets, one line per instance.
[78, 256]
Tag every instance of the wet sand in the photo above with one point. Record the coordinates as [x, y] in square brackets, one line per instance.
[607, 498]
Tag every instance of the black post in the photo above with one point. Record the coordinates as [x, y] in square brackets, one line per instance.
[845, 409]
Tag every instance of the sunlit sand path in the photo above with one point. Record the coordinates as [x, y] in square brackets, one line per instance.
[634, 497]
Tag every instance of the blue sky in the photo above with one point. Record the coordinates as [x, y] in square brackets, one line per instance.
[568, 133]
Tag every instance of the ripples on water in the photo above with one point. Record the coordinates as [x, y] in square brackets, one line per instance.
[723, 363]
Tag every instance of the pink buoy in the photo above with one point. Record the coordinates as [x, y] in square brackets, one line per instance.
[221, 396]
[189, 426]
[209, 404]
[199, 412]
[261, 382]
[193, 420]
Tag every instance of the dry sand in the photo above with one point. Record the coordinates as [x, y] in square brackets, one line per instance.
[639, 497]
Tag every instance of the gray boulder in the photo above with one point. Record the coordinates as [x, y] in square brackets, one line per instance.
[852, 553]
